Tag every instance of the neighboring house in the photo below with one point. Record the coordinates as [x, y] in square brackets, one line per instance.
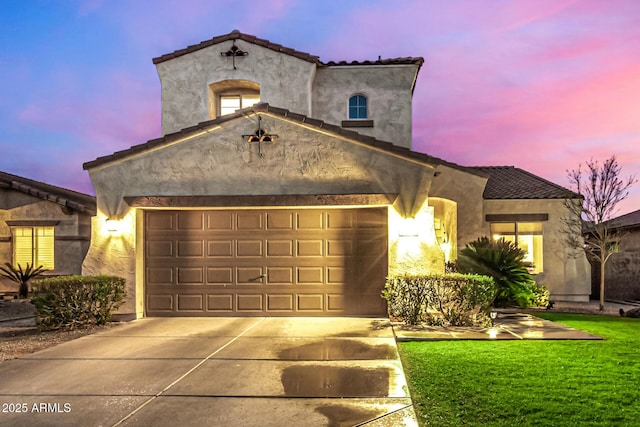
[41, 224]
[282, 208]
[622, 271]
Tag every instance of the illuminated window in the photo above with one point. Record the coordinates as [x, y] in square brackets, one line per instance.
[358, 107]
[230, 103]
[33, 245]
[527, 236]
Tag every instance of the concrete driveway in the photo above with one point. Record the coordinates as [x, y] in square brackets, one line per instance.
[218, 372]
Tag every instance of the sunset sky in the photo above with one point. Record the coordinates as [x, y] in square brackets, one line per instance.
[541, 85]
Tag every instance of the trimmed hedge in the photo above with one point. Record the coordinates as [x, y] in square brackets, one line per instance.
[76, 301]
[447, 300]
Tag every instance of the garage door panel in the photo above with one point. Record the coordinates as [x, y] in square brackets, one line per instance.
[160, 275]
[220, 275]
[310, 302]
[190, 220]
[249, 275]
[190, 276]
[280, 275]
[249, 248]
[340, 248]
[310, 220]
[250, 220]
[314, 261]
[162, 248]
[160, 302]
[371, 218]
[310, 275]
[280, 248]
[220, 303]
[250, 302]
[280, 220]
[219, 221]
[220, 248]
[309, 248]
[340, 219]
[190, 302]
[190, 248]
[335, 303]
[160, 221]
[280, 302]
[336, 275]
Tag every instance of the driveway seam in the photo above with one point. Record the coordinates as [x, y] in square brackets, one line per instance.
[183, 376]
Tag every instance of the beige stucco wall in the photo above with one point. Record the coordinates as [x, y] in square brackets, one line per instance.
[566, 272]
[622, 271]
[72, 232]
[221, 162]
[465, 189]
[388, 90]
[285, 81]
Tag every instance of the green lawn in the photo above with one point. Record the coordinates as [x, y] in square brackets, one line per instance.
[530, 383]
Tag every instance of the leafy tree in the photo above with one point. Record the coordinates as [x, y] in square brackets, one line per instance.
[21, 276]
[602, 188]
[503, 261]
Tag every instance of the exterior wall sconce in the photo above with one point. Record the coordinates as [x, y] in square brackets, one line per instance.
[113, 225]
[408, 228]
[446, 246]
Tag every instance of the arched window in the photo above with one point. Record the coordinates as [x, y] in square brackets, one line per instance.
[227, 96]
[358, 107]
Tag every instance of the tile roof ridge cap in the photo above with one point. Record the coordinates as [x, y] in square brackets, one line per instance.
[236, 35]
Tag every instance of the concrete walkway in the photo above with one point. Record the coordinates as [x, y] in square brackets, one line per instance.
[218, 372]
[507, 326]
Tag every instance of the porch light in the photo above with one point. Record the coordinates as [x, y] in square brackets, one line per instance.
[408, 228]
[113, 225]
[445, 245]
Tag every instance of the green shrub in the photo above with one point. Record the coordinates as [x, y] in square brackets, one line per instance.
[407, 297]
[541, 296]
[76, 301]
[449, 300]
[503, 261]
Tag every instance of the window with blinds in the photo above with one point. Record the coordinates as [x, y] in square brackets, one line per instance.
[33, 245]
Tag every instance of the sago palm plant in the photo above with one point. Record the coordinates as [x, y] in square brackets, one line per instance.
[503, 261]
[21, 276]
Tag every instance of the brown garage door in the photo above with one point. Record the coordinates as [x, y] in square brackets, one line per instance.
[265, 262]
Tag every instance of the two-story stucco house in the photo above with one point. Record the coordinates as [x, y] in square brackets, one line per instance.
[283, 185]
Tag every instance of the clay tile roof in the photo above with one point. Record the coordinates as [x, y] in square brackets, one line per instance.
[284, 113]
[66, 198]
[629, 220]
[391, 61]
[508, 182]
[237, 35]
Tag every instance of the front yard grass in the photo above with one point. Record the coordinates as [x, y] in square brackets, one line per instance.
[530, 383]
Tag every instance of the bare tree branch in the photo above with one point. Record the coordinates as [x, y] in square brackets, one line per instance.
[586, 226]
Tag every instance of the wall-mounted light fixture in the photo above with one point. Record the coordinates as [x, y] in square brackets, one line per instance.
[445, 245]
[113, 225]
[408, 228]
[445, 239]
